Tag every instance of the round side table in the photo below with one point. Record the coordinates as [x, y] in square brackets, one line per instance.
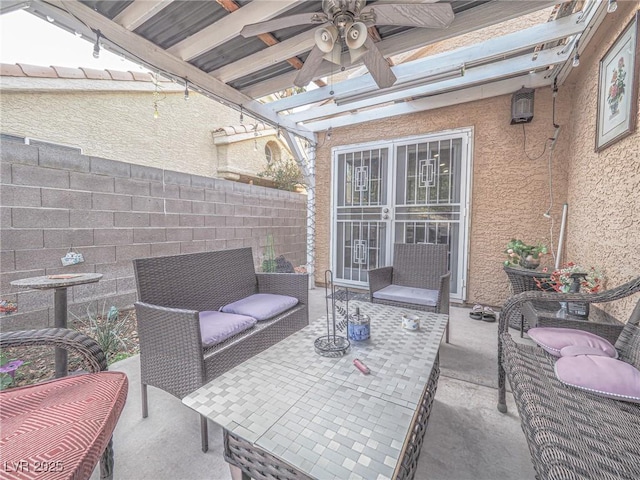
[59, 283]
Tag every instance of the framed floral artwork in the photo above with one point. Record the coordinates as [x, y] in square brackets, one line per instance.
[618, 88]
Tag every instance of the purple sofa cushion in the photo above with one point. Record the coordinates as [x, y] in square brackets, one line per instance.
[261, 306]
[554, 339]
[216, 327]
[602, 376]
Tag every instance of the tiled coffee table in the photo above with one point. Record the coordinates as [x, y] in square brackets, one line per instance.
[291, 413]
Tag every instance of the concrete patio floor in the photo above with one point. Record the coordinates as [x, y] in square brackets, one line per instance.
[467, 437]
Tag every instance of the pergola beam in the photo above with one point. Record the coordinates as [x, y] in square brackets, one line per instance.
[141, 49]
[139, 12]
[424, 68]
[494, 89]
[474, 76]
[482, 16]
[228, 27]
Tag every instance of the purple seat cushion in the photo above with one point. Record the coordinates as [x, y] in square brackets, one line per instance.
[261, 306]
[599, 375]
[554, 339]
[215, 327]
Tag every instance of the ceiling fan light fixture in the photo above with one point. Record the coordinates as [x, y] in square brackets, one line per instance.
[355, 35]
[325, 38]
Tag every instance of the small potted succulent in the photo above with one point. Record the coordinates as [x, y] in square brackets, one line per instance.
[524, 255]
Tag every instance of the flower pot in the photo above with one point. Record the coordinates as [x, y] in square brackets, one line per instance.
[529, 262]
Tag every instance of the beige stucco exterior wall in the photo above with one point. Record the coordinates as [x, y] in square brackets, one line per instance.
[509, 190]
[120, 125]
[603, 226]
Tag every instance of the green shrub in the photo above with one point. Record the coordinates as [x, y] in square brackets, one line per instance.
[108, 330]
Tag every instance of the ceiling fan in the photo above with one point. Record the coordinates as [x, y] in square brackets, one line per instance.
[348, 21]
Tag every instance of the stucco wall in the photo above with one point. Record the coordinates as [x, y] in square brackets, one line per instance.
[603, 227]
[509, 190]
[120, 125]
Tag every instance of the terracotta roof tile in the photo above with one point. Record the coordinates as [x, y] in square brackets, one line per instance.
[244, 128]
[36, 71]
[118, 75]
[10, 70]
[143, 76]
[93, 74]
[24, 70]
[66, 72]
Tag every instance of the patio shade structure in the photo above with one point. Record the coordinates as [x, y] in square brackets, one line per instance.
[199, 43]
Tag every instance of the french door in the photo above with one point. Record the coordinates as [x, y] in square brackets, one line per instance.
[411, 190]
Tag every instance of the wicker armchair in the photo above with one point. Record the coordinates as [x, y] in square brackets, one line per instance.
[62, 427]
[571, 433]
[417, 265]
[173, 290]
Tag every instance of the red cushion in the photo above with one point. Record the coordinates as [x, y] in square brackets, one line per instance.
[62, 425]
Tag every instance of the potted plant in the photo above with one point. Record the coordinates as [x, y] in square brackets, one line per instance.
[572, 278]
[520, 253]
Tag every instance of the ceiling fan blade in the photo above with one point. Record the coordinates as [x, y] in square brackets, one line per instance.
[284, 22]
[377, 65]
[431, 15]
[311, 64]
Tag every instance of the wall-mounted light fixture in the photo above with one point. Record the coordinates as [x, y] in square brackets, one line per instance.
[576, 56]
[186, 89]
[522, 106]
[612, 6]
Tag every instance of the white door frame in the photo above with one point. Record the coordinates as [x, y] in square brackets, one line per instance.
[465, 191]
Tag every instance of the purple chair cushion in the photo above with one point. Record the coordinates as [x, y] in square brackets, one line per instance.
[402, 294]
[602, 376]
[215, 327]
[261, 306]
[554, 339]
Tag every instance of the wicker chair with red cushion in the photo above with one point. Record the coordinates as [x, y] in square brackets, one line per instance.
[61, 428]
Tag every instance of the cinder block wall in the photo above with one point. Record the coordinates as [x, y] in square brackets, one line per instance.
[113, 212]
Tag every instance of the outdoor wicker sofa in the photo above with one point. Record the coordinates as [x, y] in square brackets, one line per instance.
[571, 433]
[61, 428]
[173, 290]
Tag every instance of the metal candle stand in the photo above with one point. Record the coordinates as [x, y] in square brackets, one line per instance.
[331, 345]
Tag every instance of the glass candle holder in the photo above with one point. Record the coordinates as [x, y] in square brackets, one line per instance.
[359, 326]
